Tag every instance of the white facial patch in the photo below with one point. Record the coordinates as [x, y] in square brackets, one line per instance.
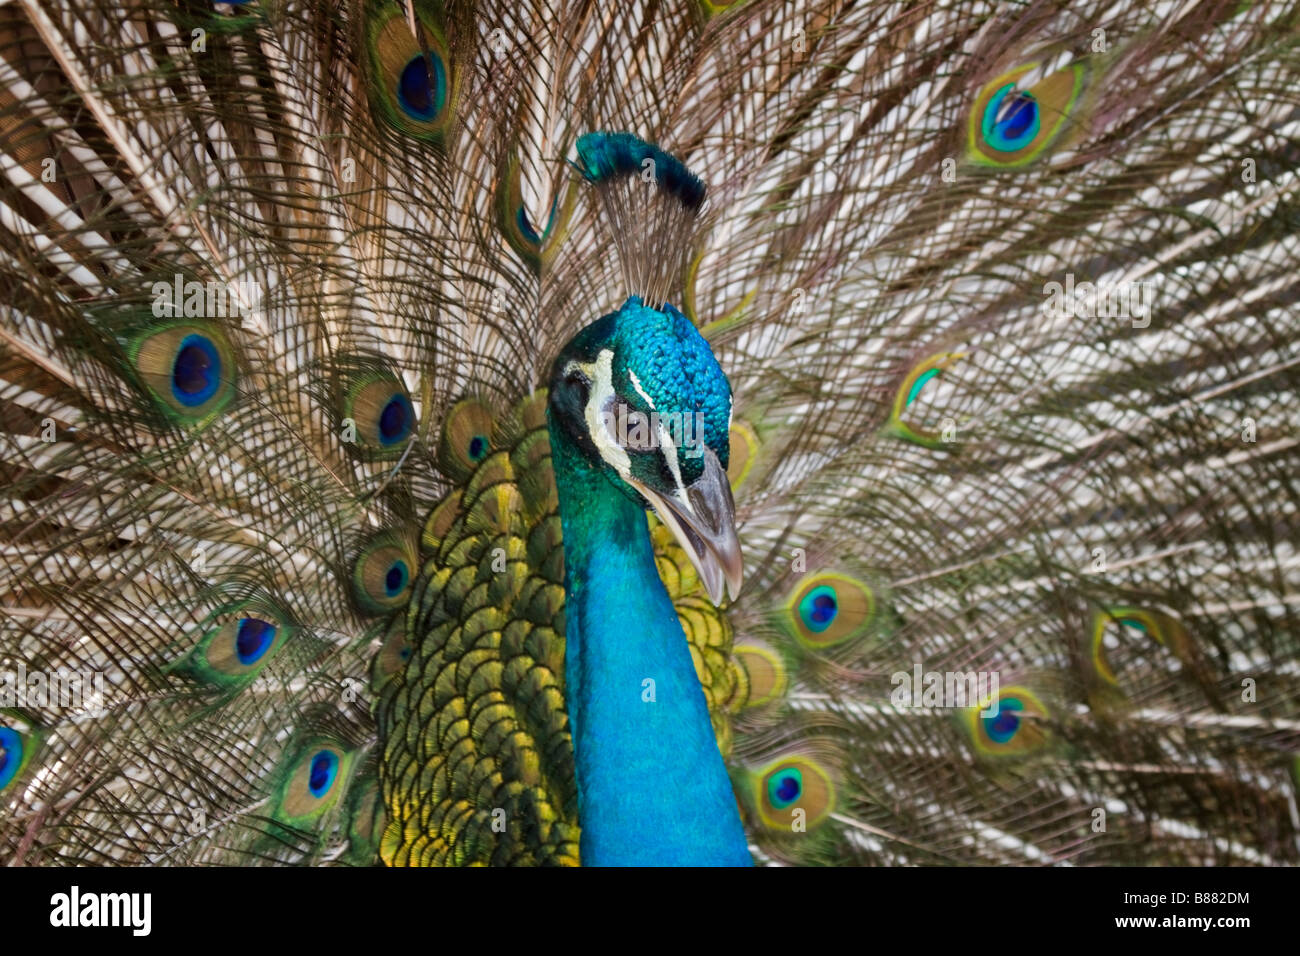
[670, 458]
[601, 376]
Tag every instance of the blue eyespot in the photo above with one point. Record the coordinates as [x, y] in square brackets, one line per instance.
[11, 755]
[419, 97]
[253, 639]
[196, 372]
[1004, 726]
[395, 420]
[320, 777]
[818, 608]
[785, 787]
[1018, 115]
[526, 227]
[478, 448]
[1011, 119]
[396, 578]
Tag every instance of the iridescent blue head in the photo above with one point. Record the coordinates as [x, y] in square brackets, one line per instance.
[642, 399]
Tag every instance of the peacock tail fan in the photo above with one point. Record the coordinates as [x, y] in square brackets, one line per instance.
[1005, 296]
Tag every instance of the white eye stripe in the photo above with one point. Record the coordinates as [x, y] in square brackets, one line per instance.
[670, 458]
[636, 383]
[602, 395]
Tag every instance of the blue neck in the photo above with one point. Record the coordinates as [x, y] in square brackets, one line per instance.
[652, 787]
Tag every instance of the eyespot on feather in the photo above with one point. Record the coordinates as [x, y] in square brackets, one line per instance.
[188, 367]
[367, 818]
[381, 409]
[1122, 620]
[468, 435]
[1017, 728]
[829, 608]
[393, 654]
[714, 8]
[535, 247]
[19, 742]
[412, 87]
[765, 671]
[744, 449]
[312, 781]
[382, 573]
[1010, 127]
[791, 784]
[922, 374]
[239, 641]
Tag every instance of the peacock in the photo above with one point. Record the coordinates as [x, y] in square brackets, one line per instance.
[666, 432]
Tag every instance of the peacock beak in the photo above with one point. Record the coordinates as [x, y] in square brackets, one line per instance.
[702, 517]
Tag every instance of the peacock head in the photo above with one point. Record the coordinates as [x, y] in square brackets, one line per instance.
[640, 397]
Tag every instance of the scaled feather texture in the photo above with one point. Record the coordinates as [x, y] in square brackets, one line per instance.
[1006, 295]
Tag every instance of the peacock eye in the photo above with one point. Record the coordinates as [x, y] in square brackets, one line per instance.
[632, 428]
